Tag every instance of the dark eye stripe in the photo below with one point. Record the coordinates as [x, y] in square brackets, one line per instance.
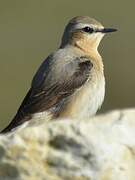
[88, 29]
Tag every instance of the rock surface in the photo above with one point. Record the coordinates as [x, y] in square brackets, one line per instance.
[101, 148]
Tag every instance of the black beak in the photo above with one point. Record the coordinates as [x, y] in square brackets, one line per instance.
[106, 30]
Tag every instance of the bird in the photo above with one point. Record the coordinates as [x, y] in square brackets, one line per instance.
[70, 82]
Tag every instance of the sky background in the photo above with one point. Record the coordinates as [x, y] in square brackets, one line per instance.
[31, 29]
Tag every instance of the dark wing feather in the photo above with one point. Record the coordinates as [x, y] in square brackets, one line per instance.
[47, 97]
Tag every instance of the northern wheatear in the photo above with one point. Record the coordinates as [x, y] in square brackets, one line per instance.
[70, 83]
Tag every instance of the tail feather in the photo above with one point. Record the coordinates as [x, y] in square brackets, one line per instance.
[17, 121]
[21, 116]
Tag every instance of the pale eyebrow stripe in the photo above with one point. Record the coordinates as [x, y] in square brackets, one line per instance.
[81, 25]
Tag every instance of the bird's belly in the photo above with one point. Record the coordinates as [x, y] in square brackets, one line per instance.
[86, 101]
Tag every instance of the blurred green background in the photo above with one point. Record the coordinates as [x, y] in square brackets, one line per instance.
[31, 29]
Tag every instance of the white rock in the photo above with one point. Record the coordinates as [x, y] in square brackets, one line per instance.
[101, 148]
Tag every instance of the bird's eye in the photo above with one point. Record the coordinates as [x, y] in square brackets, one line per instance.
[88, 29]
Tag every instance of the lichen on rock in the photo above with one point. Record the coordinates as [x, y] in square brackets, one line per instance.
[100, 148]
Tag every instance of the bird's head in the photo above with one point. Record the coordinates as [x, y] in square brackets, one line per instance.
[84, 32]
